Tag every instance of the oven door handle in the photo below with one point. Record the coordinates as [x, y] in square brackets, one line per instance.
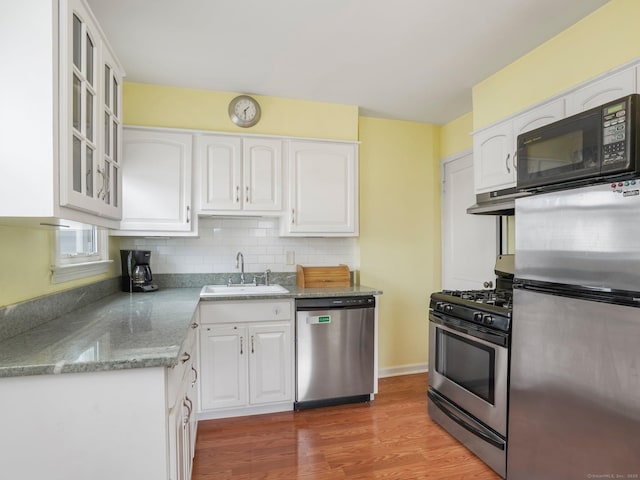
[443, 408]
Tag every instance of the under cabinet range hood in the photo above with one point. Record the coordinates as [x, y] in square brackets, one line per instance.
[498, 202]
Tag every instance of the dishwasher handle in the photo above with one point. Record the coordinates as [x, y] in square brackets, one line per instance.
[335, 303]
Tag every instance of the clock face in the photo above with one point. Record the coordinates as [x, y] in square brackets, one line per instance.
[244, 111]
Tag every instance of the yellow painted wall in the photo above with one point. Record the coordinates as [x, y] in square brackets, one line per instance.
[607, 38]
[400, 231]
[25, 260]
[455, 136]
[162, 106]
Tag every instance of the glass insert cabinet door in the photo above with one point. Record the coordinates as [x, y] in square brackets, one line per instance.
[90, 106]
[84, 98]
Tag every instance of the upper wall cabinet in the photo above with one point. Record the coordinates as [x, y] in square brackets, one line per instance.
[602, 91]
[495, 148]
[157, 199]
[239, 175]
[62, 114]
[323, 189]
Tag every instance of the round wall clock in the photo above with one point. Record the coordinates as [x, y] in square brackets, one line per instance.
[244, 111]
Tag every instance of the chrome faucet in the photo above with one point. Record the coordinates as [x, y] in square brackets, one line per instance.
[240, 264]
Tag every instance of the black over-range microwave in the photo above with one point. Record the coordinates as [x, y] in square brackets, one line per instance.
[593, 146]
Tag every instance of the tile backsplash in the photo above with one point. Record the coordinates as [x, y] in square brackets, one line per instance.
[214, 251]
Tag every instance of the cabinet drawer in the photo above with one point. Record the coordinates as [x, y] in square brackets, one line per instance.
[245, 311]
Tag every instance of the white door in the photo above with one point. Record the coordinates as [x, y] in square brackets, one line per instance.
[262, 172]
[270, 363]
[322, 188]
[220, 173]
[469, 242]
[609, 88]
[493, 151]
[156, 181]
[223, 366]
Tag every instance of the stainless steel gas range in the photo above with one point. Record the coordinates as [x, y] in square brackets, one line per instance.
[469, 365]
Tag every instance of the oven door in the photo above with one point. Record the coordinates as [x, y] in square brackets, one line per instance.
[469, 371]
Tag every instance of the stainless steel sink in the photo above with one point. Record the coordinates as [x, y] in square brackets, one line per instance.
[247, 289]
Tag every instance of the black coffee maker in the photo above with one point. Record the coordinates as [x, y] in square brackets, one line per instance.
[136, 272]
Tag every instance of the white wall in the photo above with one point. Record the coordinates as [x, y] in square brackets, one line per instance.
[214, 251]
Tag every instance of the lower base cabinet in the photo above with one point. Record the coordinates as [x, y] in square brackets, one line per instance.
[182, 396]
[130, 424]
[246, 357]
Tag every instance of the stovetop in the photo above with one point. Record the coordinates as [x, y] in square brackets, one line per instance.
[499, 298]
[489, 308]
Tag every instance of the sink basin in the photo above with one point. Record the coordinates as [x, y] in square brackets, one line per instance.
[226, 290]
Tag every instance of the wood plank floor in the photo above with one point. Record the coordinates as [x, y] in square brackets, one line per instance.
[389, 438]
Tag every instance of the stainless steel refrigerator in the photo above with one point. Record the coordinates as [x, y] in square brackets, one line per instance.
[574, 405]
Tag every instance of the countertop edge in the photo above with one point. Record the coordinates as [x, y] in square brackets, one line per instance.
[170, 358]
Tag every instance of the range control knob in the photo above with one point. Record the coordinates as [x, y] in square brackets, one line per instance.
[488, 320]
[440, 306]
[448, 308]
[477, 317]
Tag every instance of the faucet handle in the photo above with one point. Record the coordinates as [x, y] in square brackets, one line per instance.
[267, 272]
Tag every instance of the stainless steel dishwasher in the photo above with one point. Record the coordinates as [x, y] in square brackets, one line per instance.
[334, 350]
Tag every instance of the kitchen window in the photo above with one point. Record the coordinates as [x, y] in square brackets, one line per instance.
[80, 251]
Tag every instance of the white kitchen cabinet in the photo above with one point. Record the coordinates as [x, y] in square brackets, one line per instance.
[246, 360]
[124, 424]
[493, 158]
[609, 88]
[157, 195]
[238, 175]
[269, 363]
[66, 94]
[182, 417]
[495, 149]
[223, 364]
[322, 189]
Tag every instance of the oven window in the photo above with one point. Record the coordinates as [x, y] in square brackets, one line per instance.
[469, 364]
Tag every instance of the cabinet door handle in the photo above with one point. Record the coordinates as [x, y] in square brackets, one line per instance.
[189, 407]
[195, 325]
[185, 357]
[506, 162]
[247, 194]
[252, 350]
[241, 351]
[237, 193]
[293, 216]
[195, 375]
[188, 214]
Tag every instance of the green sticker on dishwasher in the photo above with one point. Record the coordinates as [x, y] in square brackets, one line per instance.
[324, 319]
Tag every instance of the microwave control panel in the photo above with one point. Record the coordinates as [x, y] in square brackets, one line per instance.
[614, 133]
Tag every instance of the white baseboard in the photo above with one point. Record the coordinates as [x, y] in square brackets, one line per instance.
[403, 370]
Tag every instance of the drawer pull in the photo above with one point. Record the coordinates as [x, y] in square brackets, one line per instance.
[185, 357]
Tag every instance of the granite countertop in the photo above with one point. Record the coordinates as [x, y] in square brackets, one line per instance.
[124, 330]
[117, 332]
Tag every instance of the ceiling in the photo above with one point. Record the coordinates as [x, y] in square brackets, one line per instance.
[400, 59]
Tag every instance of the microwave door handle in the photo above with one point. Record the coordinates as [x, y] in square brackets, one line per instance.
[515, 161]
[506, 162]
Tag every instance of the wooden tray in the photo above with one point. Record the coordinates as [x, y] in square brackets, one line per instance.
[323, 277]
